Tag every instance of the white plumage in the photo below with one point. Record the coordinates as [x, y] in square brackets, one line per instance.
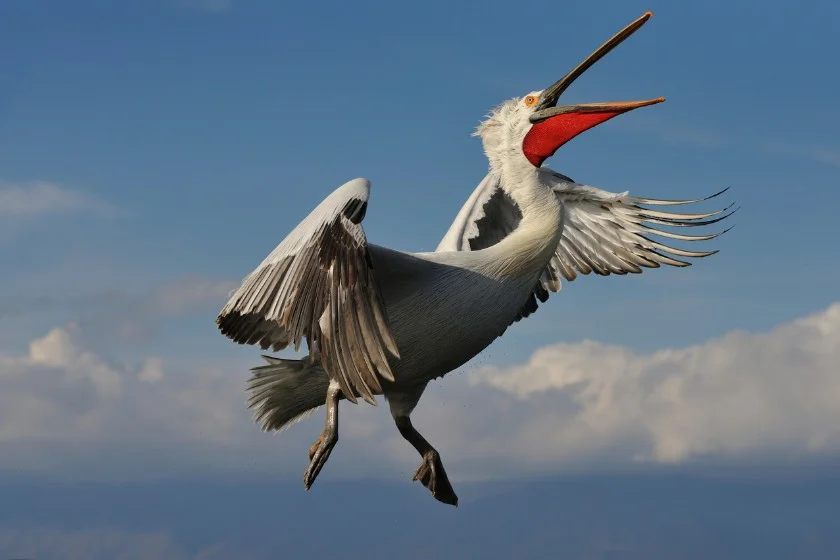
[384, 322]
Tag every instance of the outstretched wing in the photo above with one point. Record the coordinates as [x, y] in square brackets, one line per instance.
[603, 232]
[608, 233]
[319, 284]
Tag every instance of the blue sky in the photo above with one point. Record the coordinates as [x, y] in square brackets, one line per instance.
[152, 153]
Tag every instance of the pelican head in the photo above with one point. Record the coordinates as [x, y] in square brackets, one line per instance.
[525, 131]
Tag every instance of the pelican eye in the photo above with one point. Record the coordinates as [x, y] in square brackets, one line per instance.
[531, 100]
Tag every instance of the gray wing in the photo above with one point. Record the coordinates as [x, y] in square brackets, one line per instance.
[608, 233]
[603, 232]
[319, 284]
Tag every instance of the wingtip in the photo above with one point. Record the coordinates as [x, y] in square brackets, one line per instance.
[717, 194]
[358, 183]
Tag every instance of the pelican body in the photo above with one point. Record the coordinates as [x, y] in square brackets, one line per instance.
[378, 321]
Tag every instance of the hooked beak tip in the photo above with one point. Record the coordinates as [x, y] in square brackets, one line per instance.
[551, 94]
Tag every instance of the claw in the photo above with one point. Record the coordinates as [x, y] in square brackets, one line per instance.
[321, 449]
[318, 458]
[432, 475]
[315, 446]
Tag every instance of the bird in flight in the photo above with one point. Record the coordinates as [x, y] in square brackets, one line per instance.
[377, 321]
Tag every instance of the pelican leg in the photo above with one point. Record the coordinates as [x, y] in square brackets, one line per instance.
[321, 449]
[431, 472]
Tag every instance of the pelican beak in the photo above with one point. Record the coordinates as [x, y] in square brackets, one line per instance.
[554, 125]
[592, 109]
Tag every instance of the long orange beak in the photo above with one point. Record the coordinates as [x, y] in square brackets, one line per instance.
[555, 125]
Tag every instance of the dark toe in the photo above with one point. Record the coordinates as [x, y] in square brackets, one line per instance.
[447, 496]
[314, 447]
[432, 475]
[317, 462]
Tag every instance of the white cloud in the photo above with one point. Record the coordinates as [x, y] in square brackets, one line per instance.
[67, 411]
[728, 398]
[58, 390]
[151, 370]
[743, 396]
[40, 198]
[59, 350]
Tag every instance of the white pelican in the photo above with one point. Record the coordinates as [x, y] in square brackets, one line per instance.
[383, 322]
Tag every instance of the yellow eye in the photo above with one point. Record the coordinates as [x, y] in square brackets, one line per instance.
[530, 101]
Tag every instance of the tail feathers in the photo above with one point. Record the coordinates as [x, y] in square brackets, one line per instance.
[285, 391]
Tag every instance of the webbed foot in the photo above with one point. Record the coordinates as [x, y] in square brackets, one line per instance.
[433, 476]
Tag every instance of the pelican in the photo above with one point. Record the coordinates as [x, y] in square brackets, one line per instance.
[377, 321]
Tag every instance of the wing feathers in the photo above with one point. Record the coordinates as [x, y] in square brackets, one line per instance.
[608, 233]
[659, 202]
[319, 285]
[604, 233]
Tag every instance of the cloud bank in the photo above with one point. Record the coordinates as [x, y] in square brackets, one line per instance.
[730, 397]
[772, 395]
